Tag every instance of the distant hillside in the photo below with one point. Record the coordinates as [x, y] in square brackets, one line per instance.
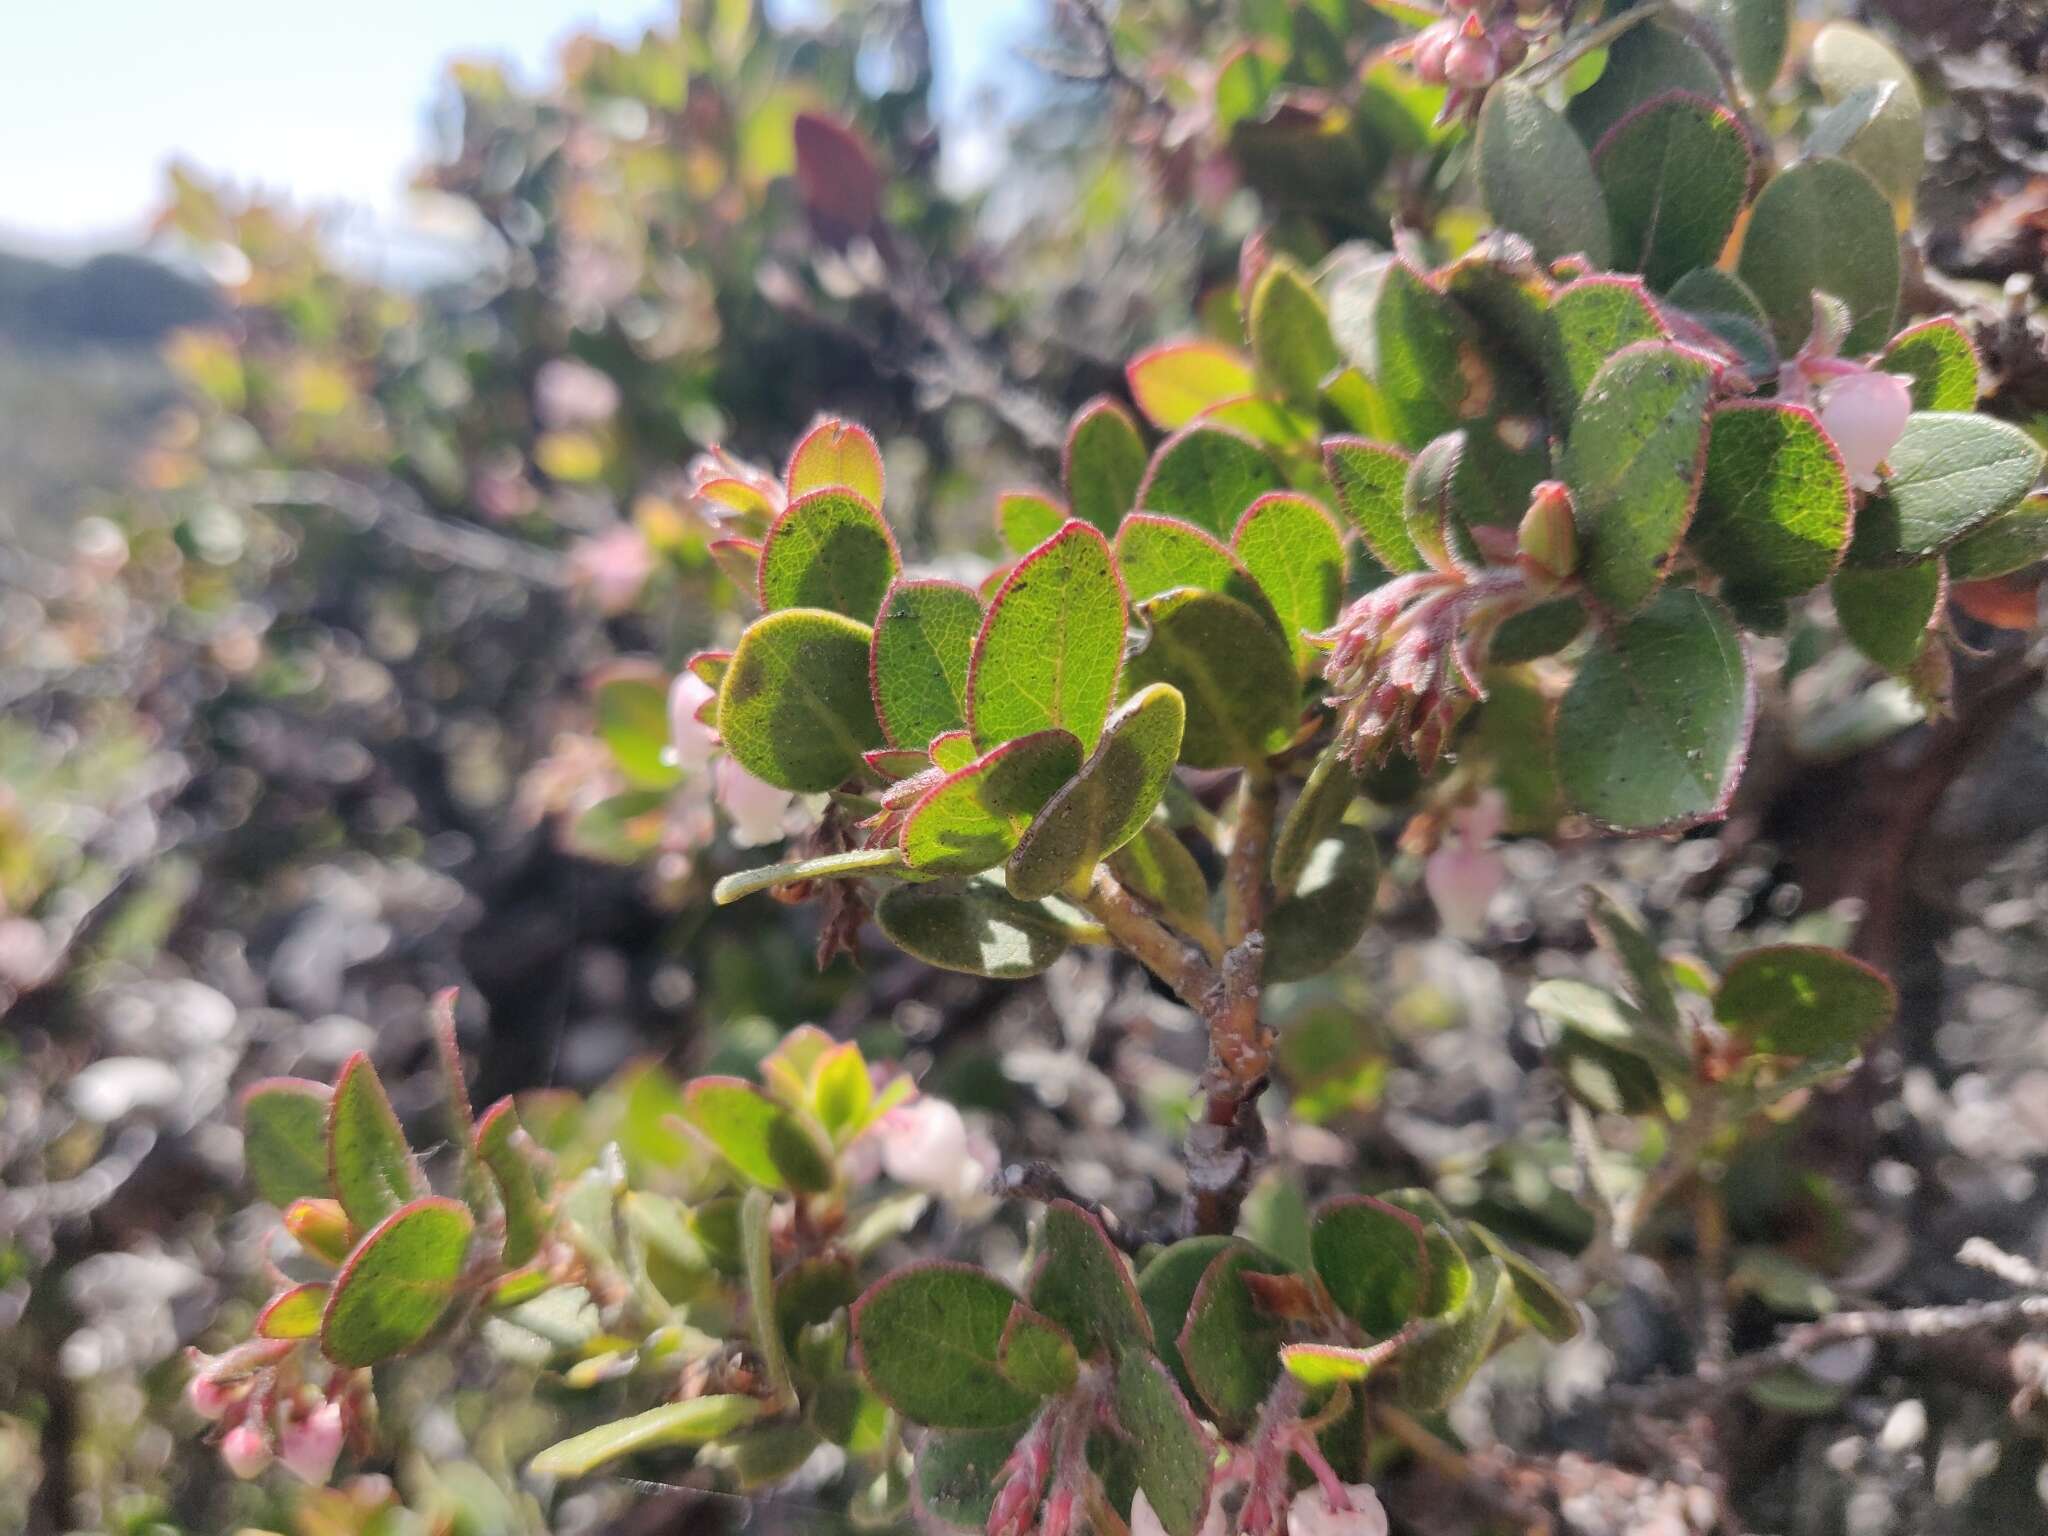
[80, 380]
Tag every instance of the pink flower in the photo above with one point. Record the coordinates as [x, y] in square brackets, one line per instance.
[1464, 874]
[1314, 1514]
[1865, 412]
[1472, 63]
[310, 1446]
[924, 1145]
[209, 1398]
[245, 1451]
[690, 741]
[613, 566]
[568, 393]
[758, 810]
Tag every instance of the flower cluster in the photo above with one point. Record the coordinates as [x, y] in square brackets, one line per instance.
[1861, 407]
[1475, 43]
[266, 1409]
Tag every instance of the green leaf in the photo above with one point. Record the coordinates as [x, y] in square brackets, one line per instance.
[953, 751]
[923, 639]
[1590, 321]
[1370, 480]
[1516, 735]
[829, 550]
[1171, 1455]
[1323, 1367]
[1295, 552]
[397, 1283]
[795, 708]
[1803, 1000]
[2010, 542]
[620, 829]
[1083, 1284]
[1633, 463]
[1625, 939]
[1645, 62]
[757, 1255]
[693, 1422]
[502, 1147]
[739, 561]
[1722, 303]
[1290, 335]
[1450, 1273]
[1674, 173]
[1155, 866]
[1600, 1016]
[369, 1166]
[1230, 1349]
[1537, 179]
[293, 1313]
[973, 818]
[1026, 519]
[1606, 1080]
[836, 453]
[1166, 1288]
[1232, 669]
[830, 866]
[1103, 464]
[1543, 630]
[959, 1473]
[1538, 1300]
[1051, 646]
[1326, 915]
[1441, 1359]
[930, 1338]
[1156, 554]
[1107, 803]
[762, 1140]
[632, 720]
[1775, 511]
[284, 1139]
[1949, 473]
[1313, 818]
[972, 926]
[1756, 32]
[1208, 475]
[1885, 133]
[1372, 1259]
[1036, 1353]
[1175, 383]
[1888, 611]
[1653, 731]
[1941, 360]
[1823, 227]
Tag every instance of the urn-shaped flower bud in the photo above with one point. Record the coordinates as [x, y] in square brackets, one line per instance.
[924, 1145]
[1314, 1514]
[690, 741]
[758, 809]
[1865, 412]
[209, 1398]
[1465, 873]
[310, 1446]
[244, 1451]
[321, 1227]
[1431, 45]
[1472, 63]
[1548, 540]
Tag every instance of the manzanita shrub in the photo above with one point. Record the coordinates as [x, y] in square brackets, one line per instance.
[1479, 536]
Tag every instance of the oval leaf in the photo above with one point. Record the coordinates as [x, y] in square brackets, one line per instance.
[929, 1340]
[368, 1163]
[1775, 510]
[1295, 552]
[974, 817]
[1232, 670]
[1653, 731]
[1103, 463]
[1537, 178]
[284, 1139]
[923, 640]
[1104, 806]
[1949, 473]
[1208, 475]
[1051, 647]
[1175, 383]
[836, 454]
[1372, 1258]
[762, 1140]
[1158, 554]
[795, 707]
[1887, 612]
[1674, 173]
[1326, 916]
[397, 1283]
[1229, 1346]
[1803, 1000]
[1370, 480]
[973, 926]
[829, 550]
[1823, 227]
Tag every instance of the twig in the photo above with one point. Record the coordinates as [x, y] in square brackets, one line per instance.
[1710, 1221]
[1251, 855]
[1174, 960]
[2020, 1274]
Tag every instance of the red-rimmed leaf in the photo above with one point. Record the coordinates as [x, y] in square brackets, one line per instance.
[398, 1282]
[1050, 649]
[972, 819]
[1108, 801]
[1941, 360]
[284, 1138]
[293, 1314]
[1026, 519]
[829, 550]
[1176, 382]
[368, 1163]
[1674, 173]
[1803, 1000]
[1103, 463]
[917, 666]
[1370, 480]
[1775, 509]
[836, 453]
[1209, 475]
[928, 1342]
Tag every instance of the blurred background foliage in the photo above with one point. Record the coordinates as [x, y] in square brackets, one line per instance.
[313, 578]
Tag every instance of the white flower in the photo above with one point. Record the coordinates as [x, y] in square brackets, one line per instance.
[757, 809]
[1311, 1514]
[690, 741]
[208, 1398]
[1865, 412]
[245, 1451]
[311, 1446]
[569, 393]
[1464, 874]
[925, 1146]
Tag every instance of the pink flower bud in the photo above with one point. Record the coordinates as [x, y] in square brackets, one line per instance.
[1462, 883]
[757, 808]
[310, 1446]
[209, 1398]
[245, 1451]
[1431, 44]
[690, 741]
[1549, 537]
[1472, 63]
[925, 1146]
[1512, 42]
[1312, 1514]
[1865, 412]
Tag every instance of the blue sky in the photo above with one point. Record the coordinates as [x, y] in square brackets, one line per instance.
[324, 101]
